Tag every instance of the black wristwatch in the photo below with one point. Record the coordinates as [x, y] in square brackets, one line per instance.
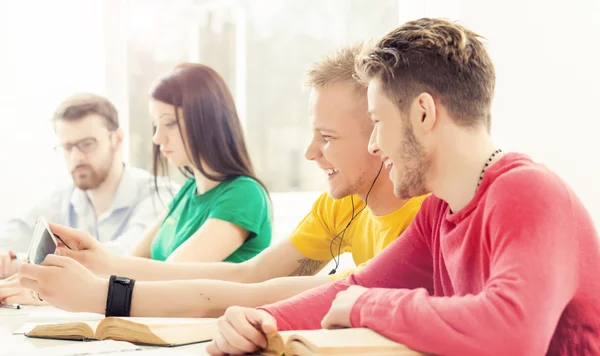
[118, 301]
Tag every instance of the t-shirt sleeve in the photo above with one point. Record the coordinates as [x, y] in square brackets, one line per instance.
[312, 237]
[244, 203]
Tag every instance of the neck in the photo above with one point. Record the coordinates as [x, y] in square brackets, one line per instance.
[102, 196]
[458, 165]
[203, 184]
[382, 200]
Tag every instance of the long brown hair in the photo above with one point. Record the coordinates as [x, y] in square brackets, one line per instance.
[213, 132]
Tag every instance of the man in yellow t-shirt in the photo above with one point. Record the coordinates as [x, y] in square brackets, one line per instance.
[359, 209]
[364, 238]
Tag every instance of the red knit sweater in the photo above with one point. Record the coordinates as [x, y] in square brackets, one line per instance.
[516, 272]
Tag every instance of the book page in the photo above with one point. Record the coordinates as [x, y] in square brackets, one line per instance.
[169, 321]
[28, 327]
[355, 341]
[352, 337]
[60, 327]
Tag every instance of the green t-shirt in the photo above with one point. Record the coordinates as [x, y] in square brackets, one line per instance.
[241, 201]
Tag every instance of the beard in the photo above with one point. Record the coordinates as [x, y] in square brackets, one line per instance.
[90, 178]
[411, 181]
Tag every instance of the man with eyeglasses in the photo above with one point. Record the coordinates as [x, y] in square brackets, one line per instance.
[113, 202]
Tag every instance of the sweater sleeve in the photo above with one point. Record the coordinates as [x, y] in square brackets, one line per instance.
[532, 244]
[406, 263]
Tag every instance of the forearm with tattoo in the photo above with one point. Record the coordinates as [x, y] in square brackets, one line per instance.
[308, 267]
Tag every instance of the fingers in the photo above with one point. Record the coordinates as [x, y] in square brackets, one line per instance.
[25, 299]
[12, 281]
[231, 341]
[329, 320]
[6, 265]
[9, 292]
[268, 323]
[57, 261]
[213, 349]
[31, 284]
[31, 271]
[74, 238]
[241, 331]
[62, 250]
[13, 278]
[250, 323]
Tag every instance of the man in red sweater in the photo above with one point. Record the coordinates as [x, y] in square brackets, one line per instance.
[503, 259]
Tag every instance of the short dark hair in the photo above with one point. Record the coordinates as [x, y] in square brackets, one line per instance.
[80, 105]
[439, 57]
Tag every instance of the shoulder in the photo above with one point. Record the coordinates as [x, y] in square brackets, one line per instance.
[336, 212]
[413, 205]
[527, 182]
[325, 204]
[243, 185]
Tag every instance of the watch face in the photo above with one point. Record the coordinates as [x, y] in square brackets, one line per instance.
[123, 280]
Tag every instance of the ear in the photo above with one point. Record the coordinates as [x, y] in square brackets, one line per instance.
[423, 113]
[118, 138]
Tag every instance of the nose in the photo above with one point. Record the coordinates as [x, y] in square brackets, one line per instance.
[313, 151]
[373, 147]
[158, 137]
[75, 156]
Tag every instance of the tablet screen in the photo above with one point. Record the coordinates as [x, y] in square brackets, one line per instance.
[42, 244]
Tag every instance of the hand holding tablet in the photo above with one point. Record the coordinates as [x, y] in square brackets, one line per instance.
[44, 242]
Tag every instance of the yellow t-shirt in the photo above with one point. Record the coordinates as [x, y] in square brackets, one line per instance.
[365, 238]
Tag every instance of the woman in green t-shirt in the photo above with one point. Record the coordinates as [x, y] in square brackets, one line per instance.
[222, 212]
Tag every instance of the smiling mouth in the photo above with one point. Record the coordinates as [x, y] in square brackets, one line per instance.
[387, 163]
[330, 171]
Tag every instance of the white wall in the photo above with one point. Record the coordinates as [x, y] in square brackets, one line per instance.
[547, 58]
[49, 50]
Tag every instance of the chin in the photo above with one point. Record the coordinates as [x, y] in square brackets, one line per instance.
[176, 163]
[83, 185]
[338, 192]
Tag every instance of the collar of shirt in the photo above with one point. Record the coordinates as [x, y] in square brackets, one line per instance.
[125, 196]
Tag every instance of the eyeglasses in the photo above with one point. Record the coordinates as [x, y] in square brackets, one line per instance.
[86, 145]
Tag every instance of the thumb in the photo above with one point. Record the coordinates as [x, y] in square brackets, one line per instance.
[12, 254]
[267, 322]
[54, 260]
[62, 250]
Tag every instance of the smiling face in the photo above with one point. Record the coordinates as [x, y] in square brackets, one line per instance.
[341, 128]
[394, 141]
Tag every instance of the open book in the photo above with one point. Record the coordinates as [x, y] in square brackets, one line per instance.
[146, 331]
[357, 341]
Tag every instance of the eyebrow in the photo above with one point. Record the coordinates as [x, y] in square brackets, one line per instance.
[165, 114]
[324, 129]
[76, 141]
